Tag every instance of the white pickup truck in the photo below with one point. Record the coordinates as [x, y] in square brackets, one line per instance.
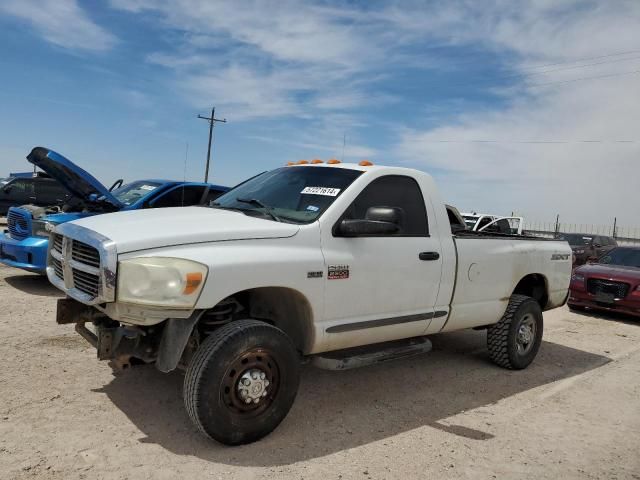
[339, 264]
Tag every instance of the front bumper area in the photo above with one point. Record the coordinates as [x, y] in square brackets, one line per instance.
[166, 344]
[629, 305]
[28, 254]
[113, 341]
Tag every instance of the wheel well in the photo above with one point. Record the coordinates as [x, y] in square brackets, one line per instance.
[534, 285]
[285, 308]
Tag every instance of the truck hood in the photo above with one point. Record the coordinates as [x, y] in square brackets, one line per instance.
[164, 227]
[613, 272]
[76, 180]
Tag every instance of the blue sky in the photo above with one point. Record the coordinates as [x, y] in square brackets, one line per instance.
[529, 107]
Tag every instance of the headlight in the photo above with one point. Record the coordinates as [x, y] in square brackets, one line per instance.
[41, 228]
[577, 277]
[160, 281]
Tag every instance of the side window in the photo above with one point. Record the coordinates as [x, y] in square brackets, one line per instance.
[49, 189]
[393, 191]
[484, 221]
[212, 194]
[23, 186]
[500, 226]
[179, 197]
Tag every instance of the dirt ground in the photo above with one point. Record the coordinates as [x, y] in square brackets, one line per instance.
[575, 413]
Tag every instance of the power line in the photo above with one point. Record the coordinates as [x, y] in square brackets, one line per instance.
[560, 142]
[584, 59]
[620, 74]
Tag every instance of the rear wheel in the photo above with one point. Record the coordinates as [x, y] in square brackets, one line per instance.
[514, 341]
[241, 382]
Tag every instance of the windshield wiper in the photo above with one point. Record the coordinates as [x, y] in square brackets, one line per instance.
[254, 201]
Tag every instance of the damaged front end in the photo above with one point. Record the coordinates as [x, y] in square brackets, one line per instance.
[122, 345]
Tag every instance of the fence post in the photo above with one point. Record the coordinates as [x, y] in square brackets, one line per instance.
[615, 221]
[557, 226]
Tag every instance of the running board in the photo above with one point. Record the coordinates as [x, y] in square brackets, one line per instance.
[371, 354]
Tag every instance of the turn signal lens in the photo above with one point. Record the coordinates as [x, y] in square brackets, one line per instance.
[365, 163]
[194, 280]
[333, 161]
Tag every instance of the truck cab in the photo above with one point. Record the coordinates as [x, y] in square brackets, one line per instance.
[24, 244]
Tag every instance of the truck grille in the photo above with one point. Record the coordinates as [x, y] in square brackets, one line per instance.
[83, 253]
[57, 243]
[76, 264]
[18, 223]
[86, 282]
[618, 289]
[57, 268]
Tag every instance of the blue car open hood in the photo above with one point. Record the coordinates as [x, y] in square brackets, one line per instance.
[79, 182]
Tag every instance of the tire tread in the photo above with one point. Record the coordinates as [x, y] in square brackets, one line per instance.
[497, 335]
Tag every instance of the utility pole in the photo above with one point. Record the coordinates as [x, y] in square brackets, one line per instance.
[211, 121]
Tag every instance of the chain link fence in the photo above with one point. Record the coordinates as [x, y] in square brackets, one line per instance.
[624, 235]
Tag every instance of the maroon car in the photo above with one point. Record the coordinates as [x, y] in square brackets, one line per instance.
[613, 283]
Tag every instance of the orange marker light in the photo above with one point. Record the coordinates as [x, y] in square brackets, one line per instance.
[302, 162]
[316, 161]
[290, 163]
[193, 282]
[333, 161]
[365, 163]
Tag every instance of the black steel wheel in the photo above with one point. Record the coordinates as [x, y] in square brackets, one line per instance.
[242, 382]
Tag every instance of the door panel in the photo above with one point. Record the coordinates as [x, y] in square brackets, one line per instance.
[377, 288]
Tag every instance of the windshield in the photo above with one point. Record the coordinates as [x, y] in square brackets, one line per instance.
[292, 194]
[132, 192]
[576, 239]
[470, 221]
[629, 257]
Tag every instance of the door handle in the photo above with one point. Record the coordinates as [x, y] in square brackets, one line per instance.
[428, 255]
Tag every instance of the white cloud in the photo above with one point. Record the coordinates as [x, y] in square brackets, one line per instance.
[61, 22]
[293, 59]
[490, 159]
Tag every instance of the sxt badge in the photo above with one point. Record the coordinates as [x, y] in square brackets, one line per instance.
[338, 272]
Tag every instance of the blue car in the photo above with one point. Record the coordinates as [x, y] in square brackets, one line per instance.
[24, 244]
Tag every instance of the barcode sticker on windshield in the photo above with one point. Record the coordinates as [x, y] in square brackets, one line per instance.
[329, 192]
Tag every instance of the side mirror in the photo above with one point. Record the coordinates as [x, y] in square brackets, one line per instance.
[7, 188]
[356, 228]
[377, 221]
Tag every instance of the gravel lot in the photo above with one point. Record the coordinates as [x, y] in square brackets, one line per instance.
[575, 413]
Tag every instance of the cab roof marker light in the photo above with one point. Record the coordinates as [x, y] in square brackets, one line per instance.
[290, 163]
[302, 162]
[316, 161]
[333, 161]
[365, 163]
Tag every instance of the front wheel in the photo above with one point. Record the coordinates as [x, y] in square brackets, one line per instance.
[514, 341]
[242, 382]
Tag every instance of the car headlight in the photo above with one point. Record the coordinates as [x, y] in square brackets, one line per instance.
[577, 277]
[578, 252]
[160, 281]
[41, 228]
